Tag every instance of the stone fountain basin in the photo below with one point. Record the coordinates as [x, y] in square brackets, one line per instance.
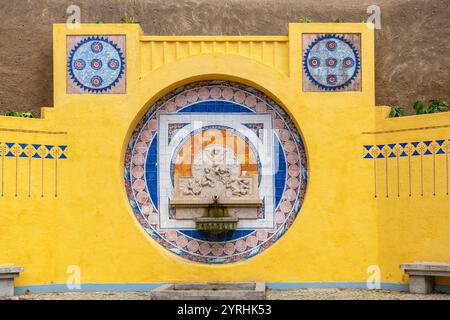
[210, 291]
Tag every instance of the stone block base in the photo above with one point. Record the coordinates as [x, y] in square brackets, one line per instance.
[7, 275]
[421, 284]
[7, 287]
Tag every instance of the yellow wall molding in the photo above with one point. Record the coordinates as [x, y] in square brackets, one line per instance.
[272, 51]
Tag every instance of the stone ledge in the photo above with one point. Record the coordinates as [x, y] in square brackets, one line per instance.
[210, 291]
[10, 271]
[427, 268]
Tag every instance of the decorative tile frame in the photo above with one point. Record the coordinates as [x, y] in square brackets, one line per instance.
[141, 173]
[331, 62]
[96, 64]
[234, 123]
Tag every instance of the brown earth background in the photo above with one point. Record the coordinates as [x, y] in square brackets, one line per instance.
[412, 46]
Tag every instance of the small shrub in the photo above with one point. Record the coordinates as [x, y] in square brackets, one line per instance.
[396, 112]
[438, 106]
[434, 106]
[19, 114]
[305, 20]
[419, 107]
[339, 20]
[126, 19]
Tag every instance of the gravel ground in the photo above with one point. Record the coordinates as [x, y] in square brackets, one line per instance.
[350, 294]
[294, 294]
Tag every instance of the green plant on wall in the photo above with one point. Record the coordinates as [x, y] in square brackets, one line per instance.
[438, 106]
[396, 112]
[419, 107]
[19, 114]
[434, 106]
[339, 20]
[127, 19]
[305, 20]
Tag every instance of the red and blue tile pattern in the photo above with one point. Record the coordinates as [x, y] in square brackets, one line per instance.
[96, 64]
[141, 174]
[331, 62]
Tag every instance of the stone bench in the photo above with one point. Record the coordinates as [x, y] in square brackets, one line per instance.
[7, 275]
[421, 275]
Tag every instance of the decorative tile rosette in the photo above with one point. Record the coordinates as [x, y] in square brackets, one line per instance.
[96, 64]
[331, 62]
[140, 182]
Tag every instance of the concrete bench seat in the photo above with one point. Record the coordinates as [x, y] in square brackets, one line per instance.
[421, 275]
[7, 275]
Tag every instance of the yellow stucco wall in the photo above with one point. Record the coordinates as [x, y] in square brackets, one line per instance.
[341, 229]
[416, 227]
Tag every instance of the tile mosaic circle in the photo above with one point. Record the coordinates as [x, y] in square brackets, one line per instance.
[331, 62]
[96, 64]
[226, 99]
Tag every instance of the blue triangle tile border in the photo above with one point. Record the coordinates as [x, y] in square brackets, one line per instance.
[37, 151]
[405, 149]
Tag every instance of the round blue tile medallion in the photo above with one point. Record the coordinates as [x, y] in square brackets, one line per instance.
[331, 62]
[96, 64]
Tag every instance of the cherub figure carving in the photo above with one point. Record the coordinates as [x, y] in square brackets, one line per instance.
[192, 187]
[208, 178]
[217, 167]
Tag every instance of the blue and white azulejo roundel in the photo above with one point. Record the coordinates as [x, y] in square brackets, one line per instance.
[331, 62]
[96, 64]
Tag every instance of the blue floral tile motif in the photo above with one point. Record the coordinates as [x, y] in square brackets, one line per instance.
[331, 62]
[96, 64]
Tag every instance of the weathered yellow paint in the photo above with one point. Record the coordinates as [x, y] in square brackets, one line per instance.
[341, 229]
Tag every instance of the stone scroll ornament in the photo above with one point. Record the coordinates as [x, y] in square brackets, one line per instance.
[96, 64]
[236, 176]
[331, 62]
